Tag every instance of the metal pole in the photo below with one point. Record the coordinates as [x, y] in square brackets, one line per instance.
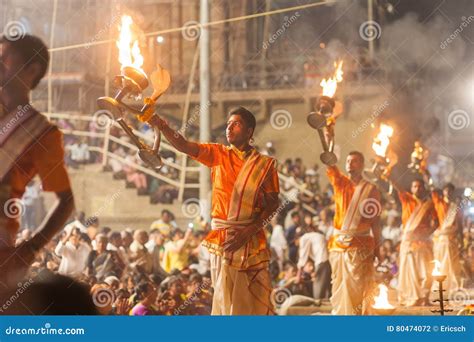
[184, 124]
[370, 18]
[51, 43]
[205, 122]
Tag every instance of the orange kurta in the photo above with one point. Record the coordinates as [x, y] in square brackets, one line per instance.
[45, 157]
[225, 163]
[343, 192]
[442, 208]
[409, 203]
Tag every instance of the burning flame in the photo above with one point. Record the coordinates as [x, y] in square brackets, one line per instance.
[330, 85]
[382, 140]
[437, 268]
[381, 301]
[129, 53]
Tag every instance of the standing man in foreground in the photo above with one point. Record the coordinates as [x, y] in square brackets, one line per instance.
[29, 146]
[356, 235]
[244, 196]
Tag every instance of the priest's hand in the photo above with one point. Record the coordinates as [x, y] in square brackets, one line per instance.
[238, 237]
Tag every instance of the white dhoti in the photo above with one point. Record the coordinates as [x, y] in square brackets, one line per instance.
[447, 253]
[414, 280]
[240, 292]
[352, 280]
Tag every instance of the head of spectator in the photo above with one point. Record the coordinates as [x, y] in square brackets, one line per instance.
[295, 218]
[176, 234]
[388, 245]
[101, 243]
[146, 293]
[75, 237]
[140, 236]
[127, 238]
[115, 238]
[325, 216]
[105, 230]
[166, 216]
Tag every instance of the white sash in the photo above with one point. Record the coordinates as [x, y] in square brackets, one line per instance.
[350, 225]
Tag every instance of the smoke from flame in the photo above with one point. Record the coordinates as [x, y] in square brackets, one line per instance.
[129, 53]
[330, 85]
[382, 140]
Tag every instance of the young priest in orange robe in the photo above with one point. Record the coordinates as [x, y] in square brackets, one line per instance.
[416, 249]
[357, 233]
[244, 197]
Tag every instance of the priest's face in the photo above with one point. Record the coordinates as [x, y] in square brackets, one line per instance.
[417, 188]
[354, 165]
[237, 132]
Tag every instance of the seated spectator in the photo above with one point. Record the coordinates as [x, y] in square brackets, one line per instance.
[134, 177]
[73, 252]
[165, 223]
[79, 153]
[139, 256]
[101, 262]
[176, 251]
[146, 295]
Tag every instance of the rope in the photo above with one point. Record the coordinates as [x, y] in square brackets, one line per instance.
[199, 26]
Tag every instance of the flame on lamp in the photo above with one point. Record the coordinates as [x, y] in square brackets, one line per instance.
[129, 52]
[382, 140]
[437, 268]
[330, 85]
[381, 301]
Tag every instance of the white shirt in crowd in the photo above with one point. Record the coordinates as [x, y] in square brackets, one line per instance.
[278, 240]
[392, 233]
[79, 152]
[73, 259]
[312, 245]
[326, 228]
